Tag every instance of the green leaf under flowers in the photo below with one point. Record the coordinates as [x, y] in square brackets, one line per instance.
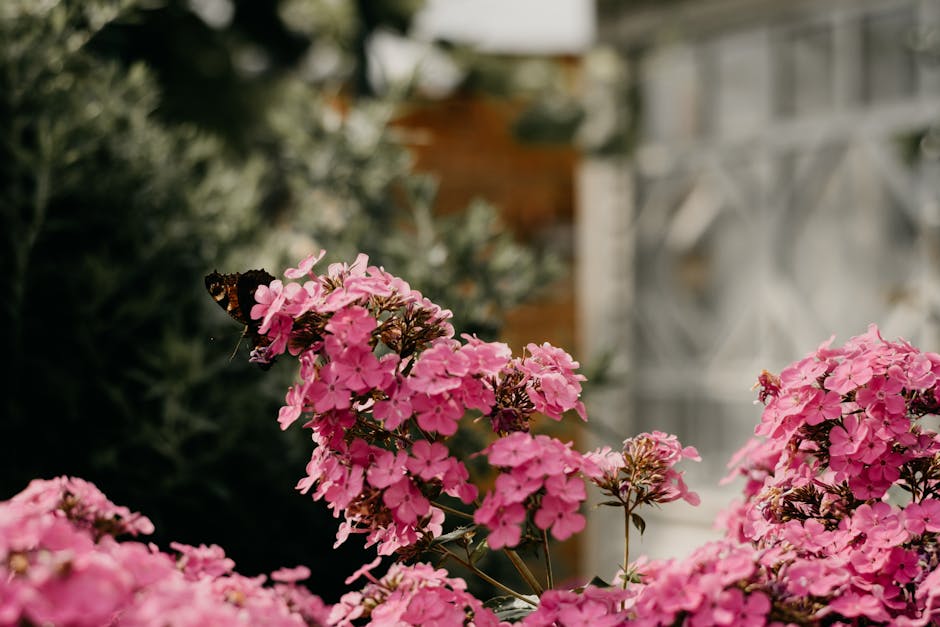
[511, 609]
[597, 582]
[456, 534]
[479, 551]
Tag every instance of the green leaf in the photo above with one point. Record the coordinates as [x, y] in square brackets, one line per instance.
[638, 522]
[456, 534]
[597, 582]
[511, 609]
[479, 551]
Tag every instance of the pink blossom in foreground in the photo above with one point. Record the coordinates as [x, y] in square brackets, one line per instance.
[591, 606]
[412, 595]
[60, 564]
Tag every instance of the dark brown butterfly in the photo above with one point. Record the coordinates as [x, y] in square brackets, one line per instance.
[235, 293]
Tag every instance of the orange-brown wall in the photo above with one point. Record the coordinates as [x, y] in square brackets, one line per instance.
[467, 142]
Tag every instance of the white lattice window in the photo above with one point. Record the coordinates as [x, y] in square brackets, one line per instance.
[777, 196]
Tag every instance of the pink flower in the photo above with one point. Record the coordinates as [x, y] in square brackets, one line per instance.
[406, 501]
[437, 414]
[296, 402]
[387, 469]
[802, 373]
[92, 592]
[822, 406]
[196, 562]
[513, 450]
[750, 611]
[305, 266]
[560, 515]
[439, 369]
[849, 375]
[486, 358]
[853, 604]
[848, 438]
[394, 410]
[291, 575]
[503, 522]
[516, 487]
[923, 516]
[882, 396]
[270, 299]
[359, 370]
[815, 577]
[352, 325]
[429, 460]
[456, 482]
[329, 391]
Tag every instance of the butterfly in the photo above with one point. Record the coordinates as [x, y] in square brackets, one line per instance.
[235, 293]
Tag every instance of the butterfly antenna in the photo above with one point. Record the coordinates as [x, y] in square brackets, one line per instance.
[238, 343]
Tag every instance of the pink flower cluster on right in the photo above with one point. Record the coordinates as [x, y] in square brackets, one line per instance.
[843, 492]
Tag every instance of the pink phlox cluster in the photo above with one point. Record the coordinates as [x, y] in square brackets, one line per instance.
[417, 594]
[590, 606]
[551, 381]
[720, 583]
[196, 562]
[855, 409]
[228, 600]
[843, 482]
[60, 564]
[643, 472]
[539, 474]
[83, 504]
[381, 493]
[384, 385]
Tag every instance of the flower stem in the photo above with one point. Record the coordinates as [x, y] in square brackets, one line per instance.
[626, 542]
[549, 577]
[524, 571]
[479, 573]
[451, 510]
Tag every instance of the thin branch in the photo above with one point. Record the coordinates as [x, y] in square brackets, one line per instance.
[479, 573]
[549, 576]
[626, 543]
[451, 510]
[524, 571]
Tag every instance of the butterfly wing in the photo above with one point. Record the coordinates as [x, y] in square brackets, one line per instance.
[235, 293]
[223, 288]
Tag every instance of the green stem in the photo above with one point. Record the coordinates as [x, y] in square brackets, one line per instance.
[524, 571]
[451, 510]
[549, 576]
[479, 573]
[626, 542]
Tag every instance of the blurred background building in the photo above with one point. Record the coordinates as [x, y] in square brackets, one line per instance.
[780, 185]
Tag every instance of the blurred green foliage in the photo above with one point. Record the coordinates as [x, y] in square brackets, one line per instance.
[139, 150]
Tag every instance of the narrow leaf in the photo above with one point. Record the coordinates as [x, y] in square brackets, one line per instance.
[638, 522]
[456, 534]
